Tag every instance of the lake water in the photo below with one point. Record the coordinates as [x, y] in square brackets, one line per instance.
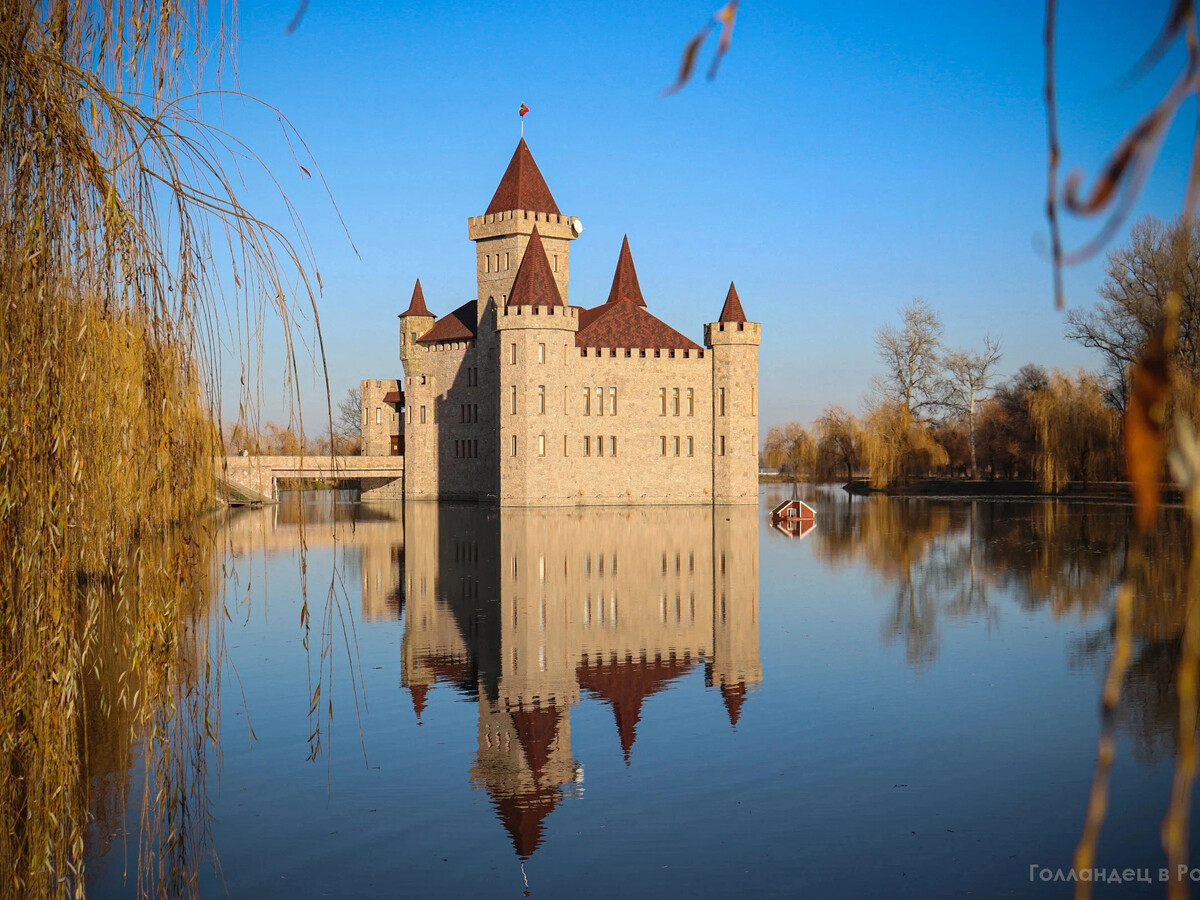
[671, 702]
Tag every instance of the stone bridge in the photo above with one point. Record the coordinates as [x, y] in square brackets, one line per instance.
[255, 478]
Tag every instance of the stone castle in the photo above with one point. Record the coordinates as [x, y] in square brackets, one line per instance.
[521, 399]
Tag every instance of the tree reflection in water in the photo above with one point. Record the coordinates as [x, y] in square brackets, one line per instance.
[945, 558]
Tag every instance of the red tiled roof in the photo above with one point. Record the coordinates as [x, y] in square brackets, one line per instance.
[392, 397]
[419, 692]
[534, 284]
[416, 306]
[625, 281]
[537, 730]
[623, 324]
[625, 685]
[459, 325]
[735, 695]
[522, 186]
[522, 816]
[732, 310]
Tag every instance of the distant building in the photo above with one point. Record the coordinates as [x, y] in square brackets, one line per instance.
[519, 398]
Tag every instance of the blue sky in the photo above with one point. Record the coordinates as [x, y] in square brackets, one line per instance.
[847, 158]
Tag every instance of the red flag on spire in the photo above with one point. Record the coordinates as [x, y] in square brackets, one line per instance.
[524, 109]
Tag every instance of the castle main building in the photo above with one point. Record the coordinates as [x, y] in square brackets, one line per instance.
[519, 398]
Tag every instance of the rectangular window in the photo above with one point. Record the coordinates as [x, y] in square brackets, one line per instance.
[541, 445]
[599, 445]
[513, 398]
[691, 402]
[555, 262]
[542, 401]
[378, 415]
[612, 445]
[675, 402]
[587, 445]
[474, 412]
[514, 445]
[487, 262]
[364, 415]
[565, 453]
[753, 404]
[662, 401]
[512, 354]
[566, 409]
[599, 401]
[541, 353]
[722, 445]
[506, 262]
[676, 445]
[587, 401]
[722, 395]
[691, 446]
[612, 400]
[422, 415]
[662, 445]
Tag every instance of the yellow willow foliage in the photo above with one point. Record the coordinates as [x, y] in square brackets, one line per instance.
[893, 445]
[1076, 431]
[113, 206]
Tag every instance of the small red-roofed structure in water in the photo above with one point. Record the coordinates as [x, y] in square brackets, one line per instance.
[794, 517]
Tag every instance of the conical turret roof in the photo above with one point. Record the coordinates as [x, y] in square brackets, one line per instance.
[522, 186]
[416, 306]
[534, 284]
[732, 310]
[625, 281]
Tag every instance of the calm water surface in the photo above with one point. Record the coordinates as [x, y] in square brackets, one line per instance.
[676, 702]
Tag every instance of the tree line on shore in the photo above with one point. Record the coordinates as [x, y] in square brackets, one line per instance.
[938, 411]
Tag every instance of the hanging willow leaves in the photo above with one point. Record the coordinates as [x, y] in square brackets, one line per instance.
[724, 17]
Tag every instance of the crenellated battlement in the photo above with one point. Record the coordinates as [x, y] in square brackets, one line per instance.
[733, 333]
[562, 318]
[520, 221]
[638, 353]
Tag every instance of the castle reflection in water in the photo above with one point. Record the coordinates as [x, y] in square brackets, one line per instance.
[527, 612]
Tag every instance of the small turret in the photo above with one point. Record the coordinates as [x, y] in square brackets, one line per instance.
[734, 343]
[414, 322]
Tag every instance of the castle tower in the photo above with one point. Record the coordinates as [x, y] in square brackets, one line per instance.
[734, 344]
[521, 203]
[420, 443]
[736, 666]
[535, 331]
[414, 322]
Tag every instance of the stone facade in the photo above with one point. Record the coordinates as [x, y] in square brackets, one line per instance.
[381, 419]
[519, 398]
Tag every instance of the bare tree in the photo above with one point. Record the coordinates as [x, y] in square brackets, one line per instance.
[912, 360]
[967, 381]
[349, 413]
[1139, 277]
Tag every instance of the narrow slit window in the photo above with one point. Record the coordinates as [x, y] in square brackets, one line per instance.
[599, 445]
[541, 445]
[676, 445]
[513, 398]
[612, 445]
[691, 447]
[587, 445]
[422, 415]
[675, 402]
[506, 261]
[512, 354]
[541, 353]
[587, 401]
[378, 415]
[542, 400]
[599, 401]
[722, 445]
[662, 445]
[612, 400]
[691, 402]
[722, 399]
[514, 445]
[662, 401]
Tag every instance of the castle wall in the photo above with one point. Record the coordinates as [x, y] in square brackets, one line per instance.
[380, 420]
[450, 443]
